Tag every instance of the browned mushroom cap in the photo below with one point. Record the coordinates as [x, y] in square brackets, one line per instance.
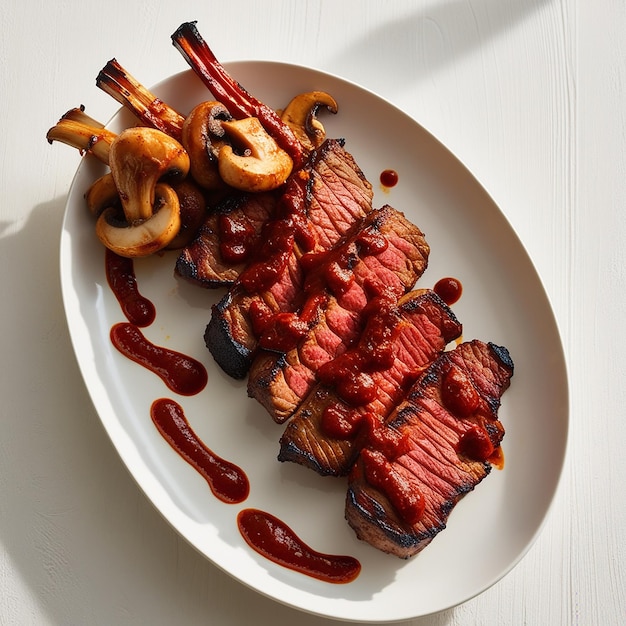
[259, 165]
[102, 194]
[203, 137]
[300, 115]
[143, 237]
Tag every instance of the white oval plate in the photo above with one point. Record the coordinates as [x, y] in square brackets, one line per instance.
[503, 301]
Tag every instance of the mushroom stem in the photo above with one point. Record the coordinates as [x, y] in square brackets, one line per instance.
[114, 80]
[78, 130]
[236, 99]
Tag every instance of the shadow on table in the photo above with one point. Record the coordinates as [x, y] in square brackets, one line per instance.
[421, 44]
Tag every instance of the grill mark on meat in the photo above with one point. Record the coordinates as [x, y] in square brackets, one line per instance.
[428, 325]
[201, 261]
[280, 382]
[431, 454]
[334, 191]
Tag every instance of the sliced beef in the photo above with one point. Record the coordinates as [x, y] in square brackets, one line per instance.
[281, 381]
[218, 254]
[327, 431]
[437, 446]
[332, 193]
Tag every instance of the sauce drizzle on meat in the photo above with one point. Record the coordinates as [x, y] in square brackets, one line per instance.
[274, 540]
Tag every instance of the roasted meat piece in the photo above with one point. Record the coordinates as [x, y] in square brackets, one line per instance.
[281, 381]
[220, 252]
[436, 447]
[327, 431]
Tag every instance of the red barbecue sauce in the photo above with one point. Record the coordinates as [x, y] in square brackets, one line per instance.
[271, 257]
[340, 421]
[274, 540]
[403, 492]
[389, 178]
[237, 238]
[263, 532]
[449, 289]
[120, 273]
[227, 481]
[458, 393]
[182, 374]
[350, 372]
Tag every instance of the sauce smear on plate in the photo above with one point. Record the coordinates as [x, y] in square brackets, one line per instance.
[274, 540]
[449, 290]
[120, 273]
[227, 481]
[181, 373]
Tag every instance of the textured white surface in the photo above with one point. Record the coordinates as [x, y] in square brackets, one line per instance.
[529, 94]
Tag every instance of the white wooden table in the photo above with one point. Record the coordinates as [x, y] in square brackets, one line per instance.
[529, 94]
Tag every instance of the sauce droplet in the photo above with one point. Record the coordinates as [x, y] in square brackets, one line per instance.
[181, 373]
[227, 481]
[389, 178]
[449, 289]
[120, 273]
[273, 539]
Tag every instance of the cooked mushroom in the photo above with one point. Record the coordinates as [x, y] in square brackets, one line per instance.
[300, 115]
[203, 137]
[102, 195]
[139, 158]
[144, 237]
[260, 164]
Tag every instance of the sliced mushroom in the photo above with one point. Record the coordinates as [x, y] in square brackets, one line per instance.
[139, 157]
[203, 137]
[260, 164]
[102, 195]
[300, 115]
[144, 237]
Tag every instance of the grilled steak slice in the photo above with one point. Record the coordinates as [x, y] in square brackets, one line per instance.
[327, 431]
[332, 193]
[437, 446]
[218, 254]
[281, 381]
